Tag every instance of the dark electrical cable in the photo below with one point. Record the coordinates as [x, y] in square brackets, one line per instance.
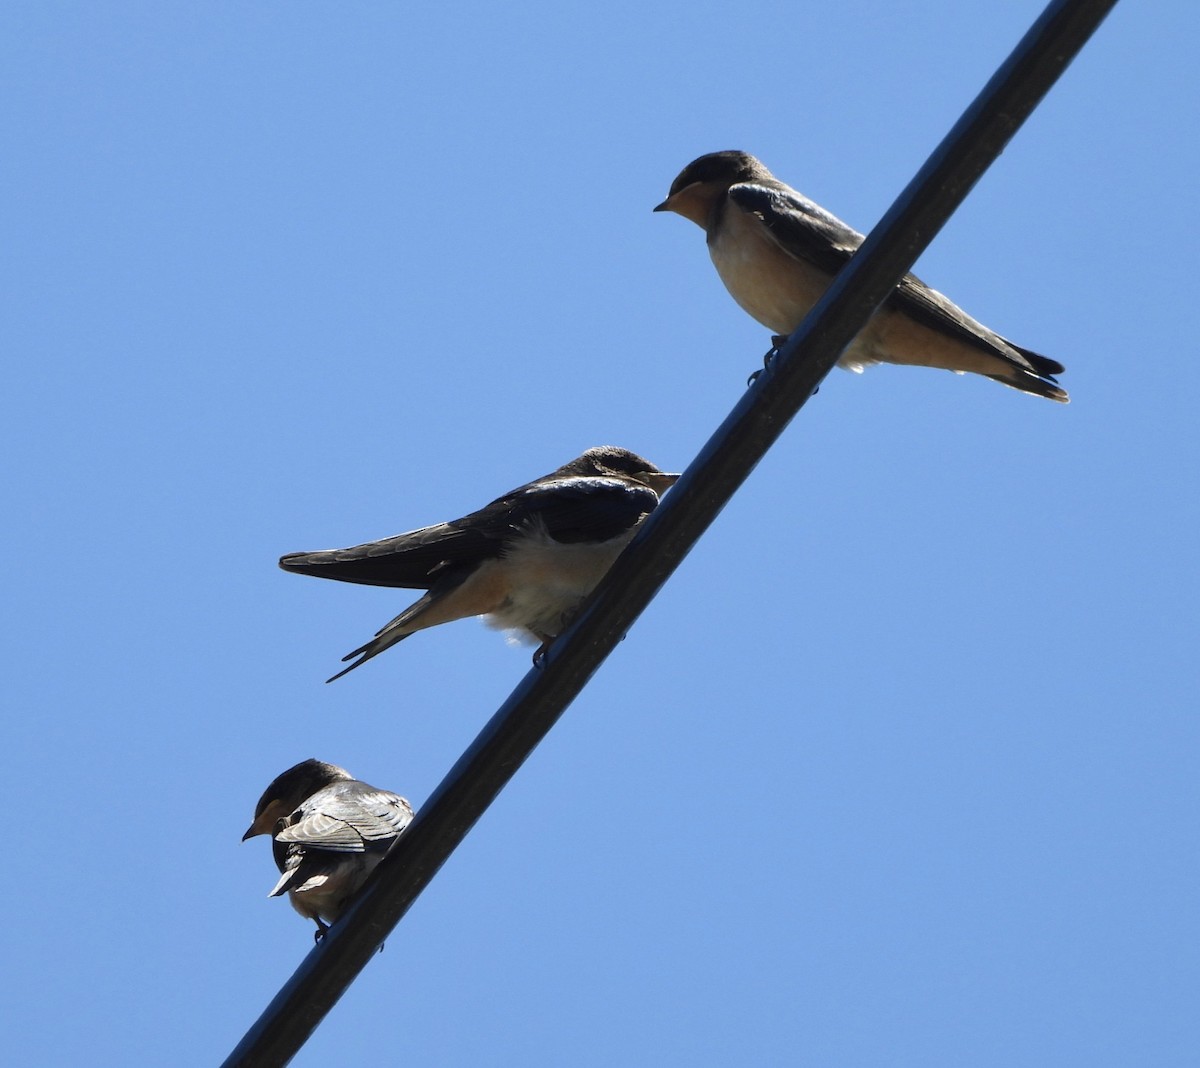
[722, 466]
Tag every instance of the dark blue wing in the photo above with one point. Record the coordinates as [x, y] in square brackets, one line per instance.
[806, 231]
[572, 509]
[580, 509]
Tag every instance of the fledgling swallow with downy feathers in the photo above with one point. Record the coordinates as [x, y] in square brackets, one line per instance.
[328, 833]
[525, 562]
[777, 252]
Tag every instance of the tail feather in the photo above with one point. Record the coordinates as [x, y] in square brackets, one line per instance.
[284, 883]
[1039, 387]
[387, 636]
[1043, 365]
[384, 640]
[457, 594]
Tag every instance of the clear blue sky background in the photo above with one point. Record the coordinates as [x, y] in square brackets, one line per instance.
[900, 768]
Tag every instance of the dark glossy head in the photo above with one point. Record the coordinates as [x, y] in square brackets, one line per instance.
[289, 790]
[704, 180]
[609, 460]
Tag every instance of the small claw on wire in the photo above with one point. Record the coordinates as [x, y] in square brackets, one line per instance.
[777, 341]
[769, 358]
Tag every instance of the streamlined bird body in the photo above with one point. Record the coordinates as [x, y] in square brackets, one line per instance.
[328, 833]
[777, 252]
[526, 561]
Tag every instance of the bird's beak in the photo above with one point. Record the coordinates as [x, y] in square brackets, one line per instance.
[264, 822]
[693, 202]
[660, 481]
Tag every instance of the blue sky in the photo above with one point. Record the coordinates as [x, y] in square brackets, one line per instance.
[900, 768]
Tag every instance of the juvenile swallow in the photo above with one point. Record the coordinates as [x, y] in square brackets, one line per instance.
[525, 562]
[777, 251]
[328, 833]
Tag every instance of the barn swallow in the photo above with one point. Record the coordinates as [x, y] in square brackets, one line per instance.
[526, 561]
[328, 833]
[777, 251]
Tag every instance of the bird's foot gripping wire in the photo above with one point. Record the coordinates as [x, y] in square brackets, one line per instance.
[777, 341]
[564, 621]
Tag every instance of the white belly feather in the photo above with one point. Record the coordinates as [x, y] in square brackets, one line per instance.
[771, 286]
[549, 581]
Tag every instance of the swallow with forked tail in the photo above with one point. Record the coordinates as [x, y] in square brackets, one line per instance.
[777, 251]
[328, 833]
[526, 561]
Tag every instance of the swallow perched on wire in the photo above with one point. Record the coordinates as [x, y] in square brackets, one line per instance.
[526, 561]
[328, 833]
[777, 251]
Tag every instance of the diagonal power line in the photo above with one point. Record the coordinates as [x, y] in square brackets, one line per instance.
[666, 537]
